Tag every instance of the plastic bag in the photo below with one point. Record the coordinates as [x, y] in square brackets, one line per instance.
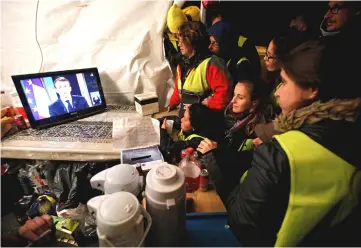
[44, 204]
[70, 181]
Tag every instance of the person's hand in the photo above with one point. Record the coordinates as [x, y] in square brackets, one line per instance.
[164, 124]
[257, 141]
[7, 120]
[206, 101]
[207, 145]
[34, 228]
[170, 107]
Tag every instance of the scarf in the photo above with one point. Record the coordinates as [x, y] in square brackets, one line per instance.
[240, 120]
[326, 33]
[335, 109]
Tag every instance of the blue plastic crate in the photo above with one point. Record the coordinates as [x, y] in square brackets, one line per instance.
[210, 230]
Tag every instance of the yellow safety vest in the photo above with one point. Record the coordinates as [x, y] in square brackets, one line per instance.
[319, 181]
[239, 61]
[241, 40]
[182, 137]
[196, 81]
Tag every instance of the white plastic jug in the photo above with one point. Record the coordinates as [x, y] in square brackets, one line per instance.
[122, 177]
[120, 220]
[165, 197]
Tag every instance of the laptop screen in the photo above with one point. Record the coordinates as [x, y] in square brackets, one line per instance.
[58, 95]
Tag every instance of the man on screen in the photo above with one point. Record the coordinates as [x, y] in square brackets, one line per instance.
[67, 103]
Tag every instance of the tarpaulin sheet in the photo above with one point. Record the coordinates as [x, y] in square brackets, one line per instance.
[124, 39]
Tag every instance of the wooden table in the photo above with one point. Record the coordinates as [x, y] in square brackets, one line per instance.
[207, 201]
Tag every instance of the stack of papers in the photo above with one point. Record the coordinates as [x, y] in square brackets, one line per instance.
[138, 139]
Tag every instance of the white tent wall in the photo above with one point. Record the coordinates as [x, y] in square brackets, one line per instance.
[123, 38]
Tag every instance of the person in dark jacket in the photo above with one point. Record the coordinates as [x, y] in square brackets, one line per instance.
[280, 45]
[304, 186]
[199, 122]
[67, 102]
[240, 118]
[341, 34]
[223, 44]
[217, 12]
[277, 49]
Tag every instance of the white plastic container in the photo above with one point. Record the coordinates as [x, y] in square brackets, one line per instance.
[120, 220]
[165, 197]
[122, 177]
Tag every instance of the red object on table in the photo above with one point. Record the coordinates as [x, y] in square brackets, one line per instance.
[21, 111]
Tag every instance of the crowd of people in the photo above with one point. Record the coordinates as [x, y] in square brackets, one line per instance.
[282, 152]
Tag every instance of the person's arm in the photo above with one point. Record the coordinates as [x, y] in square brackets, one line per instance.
[175, 99]
[256, 207]
[32, 231]
[219, 81]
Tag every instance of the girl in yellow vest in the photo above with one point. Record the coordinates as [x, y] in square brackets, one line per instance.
[304, 186]
[198, 123]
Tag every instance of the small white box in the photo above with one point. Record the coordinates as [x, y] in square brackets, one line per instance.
[146, 103]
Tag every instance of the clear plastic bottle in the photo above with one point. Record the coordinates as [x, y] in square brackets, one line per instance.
[191, 169]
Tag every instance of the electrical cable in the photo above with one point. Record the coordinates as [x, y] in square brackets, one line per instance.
[36, 35]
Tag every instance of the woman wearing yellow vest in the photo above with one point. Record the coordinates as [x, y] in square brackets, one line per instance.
[280, 45]
[201, 77]
[198, 122]
[304, 186]
[176, 17]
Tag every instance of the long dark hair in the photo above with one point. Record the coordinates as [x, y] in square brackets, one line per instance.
[286, 40]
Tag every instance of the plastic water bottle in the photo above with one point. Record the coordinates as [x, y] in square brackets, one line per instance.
[191, 169]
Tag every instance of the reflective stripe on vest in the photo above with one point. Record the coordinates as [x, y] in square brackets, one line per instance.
[182, 137]
[196, 81]
[241, 40]
[319, 181]
[247, 145]
[239, 61]
[244, 176]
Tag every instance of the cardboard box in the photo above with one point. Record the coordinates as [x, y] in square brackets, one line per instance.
[146, 103]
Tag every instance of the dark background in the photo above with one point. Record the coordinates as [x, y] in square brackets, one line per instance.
[261, 20]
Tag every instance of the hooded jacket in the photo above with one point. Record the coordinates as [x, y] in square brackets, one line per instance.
[256, 208]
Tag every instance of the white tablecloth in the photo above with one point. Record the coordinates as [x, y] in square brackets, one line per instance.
[70, 148]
